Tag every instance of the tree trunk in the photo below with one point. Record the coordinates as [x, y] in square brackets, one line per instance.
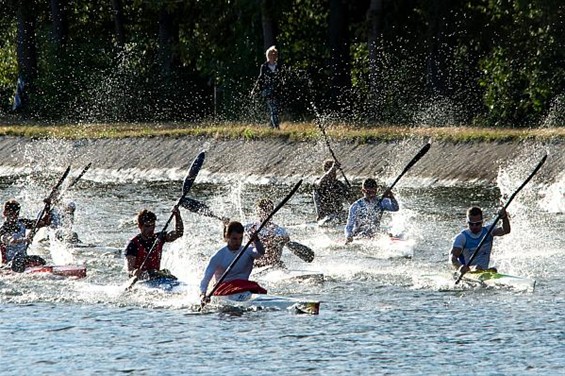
[375, 25]
[340, 57]
[168, 37]
[119, 21]
[59, 19]
[268, 23]
[436, 64]
[26, 49]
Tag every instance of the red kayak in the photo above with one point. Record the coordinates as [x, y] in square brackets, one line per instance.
[76, 271]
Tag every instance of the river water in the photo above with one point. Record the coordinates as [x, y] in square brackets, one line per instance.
[375, 318]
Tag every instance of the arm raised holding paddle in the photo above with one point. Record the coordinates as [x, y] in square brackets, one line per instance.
[468, 240]
[478, 251]
[139, 262]
[187, 184]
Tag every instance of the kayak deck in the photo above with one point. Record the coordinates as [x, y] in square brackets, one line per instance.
[254, 302]
[478, 279]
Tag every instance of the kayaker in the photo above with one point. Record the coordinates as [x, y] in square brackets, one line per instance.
[237, 280]
[15, 239]
[365, 214]
[467, 241]
[330, 194]
[273, 236]
[138, 247]
[62, 221]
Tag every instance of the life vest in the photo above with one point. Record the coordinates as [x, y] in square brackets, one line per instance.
[154, 260]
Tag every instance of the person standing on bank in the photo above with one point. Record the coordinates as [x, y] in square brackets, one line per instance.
[467, 241]
[365, 214]
[268, 84]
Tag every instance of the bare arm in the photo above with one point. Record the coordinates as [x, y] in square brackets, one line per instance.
[179, 226]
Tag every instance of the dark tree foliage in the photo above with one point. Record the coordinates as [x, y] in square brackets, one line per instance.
[365, 62]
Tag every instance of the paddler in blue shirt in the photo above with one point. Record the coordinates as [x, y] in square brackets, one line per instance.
[365, 214]
[467, 241]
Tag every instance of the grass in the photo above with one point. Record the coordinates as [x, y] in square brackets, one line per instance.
[288, 131]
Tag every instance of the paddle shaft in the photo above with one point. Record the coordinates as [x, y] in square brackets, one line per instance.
[410, 164]
[497, 218]
[75, 180]
[50, 197]
[238, 256]
[332, 152]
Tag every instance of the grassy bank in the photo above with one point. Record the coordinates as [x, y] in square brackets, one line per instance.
[288, 131]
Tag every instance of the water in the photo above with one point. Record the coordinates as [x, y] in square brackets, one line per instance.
[373, 319]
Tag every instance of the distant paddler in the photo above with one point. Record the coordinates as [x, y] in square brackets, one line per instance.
[15, 238]
[330, 194]
[138, 263]
[466, 242]
[365, 214]
[275, 238]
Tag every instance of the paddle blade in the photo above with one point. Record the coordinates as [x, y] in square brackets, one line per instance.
[57, 187]
[193, 173]
[196, 207]
[302, 251]
[418, 156]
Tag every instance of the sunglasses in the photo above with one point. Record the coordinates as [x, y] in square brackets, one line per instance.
[478, 223]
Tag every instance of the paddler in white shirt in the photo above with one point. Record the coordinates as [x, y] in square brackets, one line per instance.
[467, 241]
[14, 238]
[237, 279]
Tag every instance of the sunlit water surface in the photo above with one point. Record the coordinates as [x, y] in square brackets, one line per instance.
[374, 318]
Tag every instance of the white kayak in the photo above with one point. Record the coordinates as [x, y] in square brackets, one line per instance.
[254, 302]
[386, 246]
[478, 279]
[275, 274]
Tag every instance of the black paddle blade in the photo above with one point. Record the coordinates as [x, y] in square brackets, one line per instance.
[196, 206]
[193, 172]
[57, 187]
[302, 251]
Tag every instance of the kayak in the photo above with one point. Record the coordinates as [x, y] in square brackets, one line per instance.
[276, 274]
[164, 283]
[387, 246]
[75, 271]
[255, 302]
[478, 279]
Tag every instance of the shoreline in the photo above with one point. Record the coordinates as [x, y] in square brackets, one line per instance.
[276, 158]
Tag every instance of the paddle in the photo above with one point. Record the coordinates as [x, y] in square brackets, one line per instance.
[75, 180]
[238, 256]
[300, 250]
[410, 164]
[187, 184]
[198, 207]
[476, 252]
[319, 124]
[53, 193]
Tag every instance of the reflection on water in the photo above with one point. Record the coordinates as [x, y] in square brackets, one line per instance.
[372, 317]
